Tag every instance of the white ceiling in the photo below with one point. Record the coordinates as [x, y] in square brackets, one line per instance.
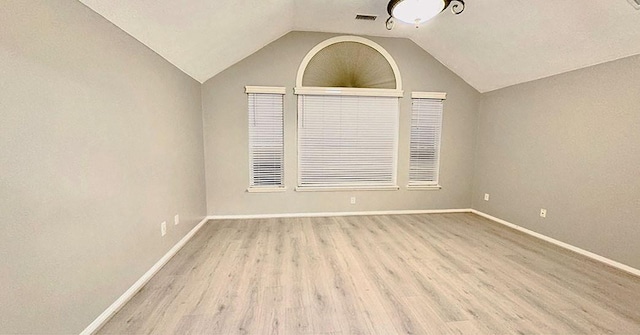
[493, 44]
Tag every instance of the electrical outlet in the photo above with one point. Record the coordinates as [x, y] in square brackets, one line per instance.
[543, 212]
[163, 228]
[353, 200]
[176, 219]
[486, 197]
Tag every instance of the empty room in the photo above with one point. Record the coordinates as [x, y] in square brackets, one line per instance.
[319, 167]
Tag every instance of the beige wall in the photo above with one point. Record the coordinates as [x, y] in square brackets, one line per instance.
[100, 141]
[226, 139]
[570, 144]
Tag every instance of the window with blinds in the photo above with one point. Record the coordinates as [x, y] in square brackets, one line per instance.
[426, 129]
[347, 141]
[266, 137]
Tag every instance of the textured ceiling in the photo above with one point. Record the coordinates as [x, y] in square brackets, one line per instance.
[493, 44]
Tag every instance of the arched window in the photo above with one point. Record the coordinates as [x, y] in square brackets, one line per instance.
[348, 89]
[349, 61]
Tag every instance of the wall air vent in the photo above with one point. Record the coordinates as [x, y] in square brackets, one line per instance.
[635, 3]
[373, 17]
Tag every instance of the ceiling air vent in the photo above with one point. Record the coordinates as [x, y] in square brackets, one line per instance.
[374, 17]
[635, 3]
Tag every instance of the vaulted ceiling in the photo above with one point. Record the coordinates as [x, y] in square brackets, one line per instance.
[493, 44]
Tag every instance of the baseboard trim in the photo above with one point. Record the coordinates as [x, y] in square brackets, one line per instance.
[602, 259]
[126, 296]
[328, 214]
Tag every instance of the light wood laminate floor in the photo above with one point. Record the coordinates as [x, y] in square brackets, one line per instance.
[399, 274]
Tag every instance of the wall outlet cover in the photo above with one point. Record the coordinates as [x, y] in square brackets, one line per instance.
[543, 212]
[486, 197]
[176, 219]
[163, 228]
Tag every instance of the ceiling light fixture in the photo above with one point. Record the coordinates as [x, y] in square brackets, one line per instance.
[419, 11]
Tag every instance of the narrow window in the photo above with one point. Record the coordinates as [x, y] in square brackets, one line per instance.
[266, 138]
[426, 129]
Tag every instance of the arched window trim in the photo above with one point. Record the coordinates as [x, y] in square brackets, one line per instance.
[300, 89]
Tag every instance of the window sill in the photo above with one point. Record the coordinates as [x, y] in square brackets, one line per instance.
[266, 189]
[346, 188]
[424, 187]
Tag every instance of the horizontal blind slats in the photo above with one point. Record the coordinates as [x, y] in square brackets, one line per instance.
[424, 147]
[266, 139]
[347, 140]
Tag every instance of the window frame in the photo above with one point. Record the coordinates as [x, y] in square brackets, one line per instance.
[271, 90]
[421, 184]
[363, 92]
[396, 92]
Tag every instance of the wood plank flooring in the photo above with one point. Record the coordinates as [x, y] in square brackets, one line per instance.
[402, 274]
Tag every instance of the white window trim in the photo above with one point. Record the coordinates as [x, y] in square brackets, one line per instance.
[259, 189]
[426, 187]
[363, 92]
[345, 188]
[267, 90]
[429, 95]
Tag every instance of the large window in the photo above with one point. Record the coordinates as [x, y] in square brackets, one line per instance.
[426, 128]
[347, 141]
[266, 138]
[348, 89]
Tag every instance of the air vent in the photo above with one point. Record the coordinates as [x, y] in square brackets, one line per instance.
[635, 3]
[374, 17]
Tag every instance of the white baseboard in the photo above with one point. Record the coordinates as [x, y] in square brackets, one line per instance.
[126, 296]
[327, 214]
[567, 246]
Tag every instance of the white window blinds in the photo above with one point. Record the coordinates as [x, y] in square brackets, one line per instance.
[426, 128]
[266, 137]
[347, 141]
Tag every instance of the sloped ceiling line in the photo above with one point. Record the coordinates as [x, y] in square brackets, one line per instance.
[493, 44]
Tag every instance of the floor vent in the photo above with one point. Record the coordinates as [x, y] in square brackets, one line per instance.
[370, 17]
